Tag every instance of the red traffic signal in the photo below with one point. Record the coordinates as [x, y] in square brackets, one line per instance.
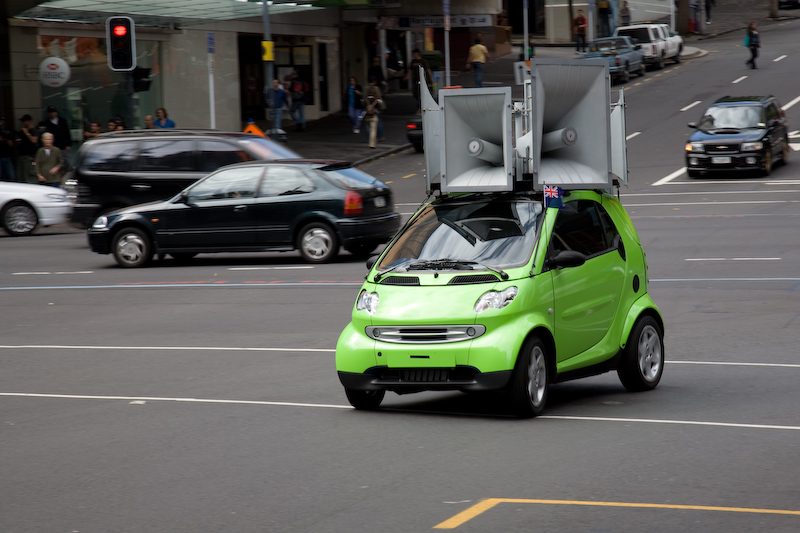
[121, 43]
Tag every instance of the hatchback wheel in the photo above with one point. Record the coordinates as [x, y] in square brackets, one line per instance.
[132, 247]
[531, 380]
[317, 243]
[365, 399]
[19, 218]
[643, 358]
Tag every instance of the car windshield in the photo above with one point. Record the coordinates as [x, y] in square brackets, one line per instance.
[490, 232]
[266, 149]
[736, 117]
[350, 178]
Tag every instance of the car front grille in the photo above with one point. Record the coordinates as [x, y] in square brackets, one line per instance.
[424, 334]
[467, 280]
[400, 280]
[719, 149]
[389, 376]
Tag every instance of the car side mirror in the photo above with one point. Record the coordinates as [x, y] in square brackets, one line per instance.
[566, 259]
[692, 125]
[184, 199]
[619, 245]
[637, 46]
[371, 261]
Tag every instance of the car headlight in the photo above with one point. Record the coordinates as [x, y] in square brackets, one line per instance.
[100, 223]
[495, 299]
[57, 197]
[695, 147]
[752, 147]
[367, 301]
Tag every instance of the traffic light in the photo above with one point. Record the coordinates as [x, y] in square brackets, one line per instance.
[121, 43]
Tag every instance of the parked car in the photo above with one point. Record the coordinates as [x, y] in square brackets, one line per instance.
[25, 206]
[788, 4]
[414, 133]
[658, 42]
[308, 205]
[131, 167]
[739, 133]
[623, 56]
[492, 291]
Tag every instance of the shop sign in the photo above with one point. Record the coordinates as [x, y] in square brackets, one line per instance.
[54, 72]
[456, 21]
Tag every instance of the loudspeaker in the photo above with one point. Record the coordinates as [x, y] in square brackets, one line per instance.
[569, 144]
[619, 142]
[476, 144]
[431, 130]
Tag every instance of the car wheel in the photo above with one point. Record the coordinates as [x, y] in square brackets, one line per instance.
[660, 64]
[361, 249]
[785, 152]
[530, 380]
[642, 69]
[693, 173]
[766, 170]
[643, 357]
[418, 147]
[132, 247]
[365, 400]
[677, 57]
[626, 76]
[317, 243]
[19, 218]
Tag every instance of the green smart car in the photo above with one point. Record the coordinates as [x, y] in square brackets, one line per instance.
[495, 291]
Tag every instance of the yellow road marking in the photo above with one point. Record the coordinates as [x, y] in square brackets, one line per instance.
[408, 176]
[485, 505]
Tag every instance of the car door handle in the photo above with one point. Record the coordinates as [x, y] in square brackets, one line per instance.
[240, 208]
[140, 186]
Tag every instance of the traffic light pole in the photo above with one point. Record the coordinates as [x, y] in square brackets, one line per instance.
[269, 73]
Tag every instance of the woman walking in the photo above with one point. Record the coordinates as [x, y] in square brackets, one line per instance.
[752, 42]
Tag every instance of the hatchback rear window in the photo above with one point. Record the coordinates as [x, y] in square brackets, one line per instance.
[350, 178]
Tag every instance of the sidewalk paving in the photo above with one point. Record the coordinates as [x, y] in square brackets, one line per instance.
[332, 137]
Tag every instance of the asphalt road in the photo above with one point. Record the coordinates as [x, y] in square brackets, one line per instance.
[204, 398]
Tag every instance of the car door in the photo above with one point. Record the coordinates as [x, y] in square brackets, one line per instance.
[216, 213]
[286, 194]
[586, 297]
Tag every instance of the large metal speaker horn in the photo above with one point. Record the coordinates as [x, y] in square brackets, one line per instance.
[570, 141]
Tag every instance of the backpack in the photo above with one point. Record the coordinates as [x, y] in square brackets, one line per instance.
[372, 106]
[299, 88]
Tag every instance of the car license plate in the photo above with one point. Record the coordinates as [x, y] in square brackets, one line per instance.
[380, 201]
[720, 160]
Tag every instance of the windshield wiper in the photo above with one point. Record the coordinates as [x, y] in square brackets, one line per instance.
[382, 273]
[453, 264]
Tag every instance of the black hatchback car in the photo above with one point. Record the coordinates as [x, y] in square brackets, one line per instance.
[294, 204]
[738, 133]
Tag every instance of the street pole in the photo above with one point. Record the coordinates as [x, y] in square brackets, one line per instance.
[525, 29]
[267, 56]
[446, 11]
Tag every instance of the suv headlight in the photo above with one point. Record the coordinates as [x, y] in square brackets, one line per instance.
[752, 147]
[695, 147]
[495, 299]
[367, 301]
[100, 223]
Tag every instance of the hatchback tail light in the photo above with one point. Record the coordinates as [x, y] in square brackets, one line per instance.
[411, 126]
[353, 203]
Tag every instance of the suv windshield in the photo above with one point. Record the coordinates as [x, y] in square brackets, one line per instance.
[266, 149]
[737, 117]
[496, 232]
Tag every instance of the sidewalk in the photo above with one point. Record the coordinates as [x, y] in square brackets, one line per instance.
[332, 137]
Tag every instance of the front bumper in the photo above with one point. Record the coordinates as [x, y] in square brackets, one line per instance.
[461, 378]
[98, 240]
[54, 213]
[728, 162]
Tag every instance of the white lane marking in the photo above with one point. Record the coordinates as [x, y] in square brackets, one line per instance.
[161, 348]
[795, 147]
[733, 259]
[688, 107]
[779, 58]
[714, 193]
[725, 363]
[667, 179]
[683, 280]
[794, 134]
[790, 104]
[737, 80]
[51, 273]
[632, 135]
[334, 406]
[736, 182]
[715, 203]
[272, 268]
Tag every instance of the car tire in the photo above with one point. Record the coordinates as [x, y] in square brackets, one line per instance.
[693, 173]
[626, 76]
[642, 363]
[677, 57]
[642, 69]
[660, 64]
[785, 152]
[132, 247]
[365, 400]
[361, 249]
[418, 147]
[766, 170]
[19, 218]
[317, 243]
[530, 380]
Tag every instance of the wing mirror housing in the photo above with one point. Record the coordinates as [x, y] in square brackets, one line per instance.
[566, 259]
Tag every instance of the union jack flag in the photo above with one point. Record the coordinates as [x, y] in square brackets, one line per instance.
[551, 191]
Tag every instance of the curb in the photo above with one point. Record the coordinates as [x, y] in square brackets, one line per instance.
[380, 155]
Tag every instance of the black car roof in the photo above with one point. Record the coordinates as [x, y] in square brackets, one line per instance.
[172, 132]
[743, 99]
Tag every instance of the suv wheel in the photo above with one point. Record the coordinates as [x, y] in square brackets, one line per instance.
[317, 243]
[785, 152]
[766, 170]
[132, 247]
[643, 358]
[19, 218]
[530, 381]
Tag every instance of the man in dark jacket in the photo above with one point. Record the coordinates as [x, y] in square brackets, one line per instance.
[59, 128]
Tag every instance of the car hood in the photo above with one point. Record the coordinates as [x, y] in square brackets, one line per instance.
[8, 187]
[728, 135]
[149, 207]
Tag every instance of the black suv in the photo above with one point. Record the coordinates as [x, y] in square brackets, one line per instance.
[123, 168]
[738, 133]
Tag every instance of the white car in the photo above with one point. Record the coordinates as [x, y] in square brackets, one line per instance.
[24, 206]
[657, 41]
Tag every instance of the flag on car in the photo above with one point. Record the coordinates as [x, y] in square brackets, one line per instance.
[553, 196]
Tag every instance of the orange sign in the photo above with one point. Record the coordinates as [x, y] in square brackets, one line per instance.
[252, 128]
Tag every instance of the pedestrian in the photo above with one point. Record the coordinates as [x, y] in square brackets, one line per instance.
[297, 93]
[709, 5]
[373, 106]
[579, 30]
[148, 122]
[376, 71]
[279, 99]
[59, 128]
[49, 161]
[162, 120]
[94, 130]
[753, 42]
[27, 142]
[355, 103]
[604, 12]
[417, 61]
[478, 55]
[7, 172]
[625, 14]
